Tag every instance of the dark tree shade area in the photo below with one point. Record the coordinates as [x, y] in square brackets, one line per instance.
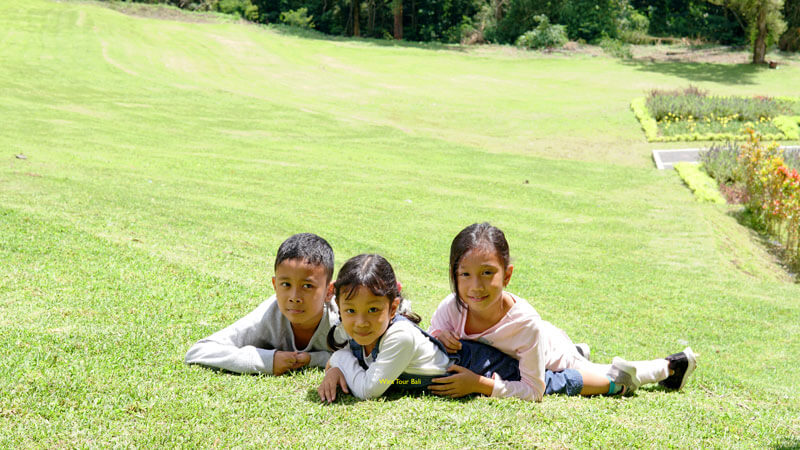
[503, 21]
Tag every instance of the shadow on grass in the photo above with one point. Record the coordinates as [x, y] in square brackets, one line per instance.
[390, 396]
[732, 74]
[746, 219]
[787, 443]
[318, 35]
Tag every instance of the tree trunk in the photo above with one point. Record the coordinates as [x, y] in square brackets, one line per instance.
[397, 8]
[356, 17]
[760, 44]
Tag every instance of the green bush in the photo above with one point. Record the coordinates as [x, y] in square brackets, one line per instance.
[297, 18]
[720, 161]
[616, 48]
[789, 126]
[243, 8]
[774, 193]
[704, 188]
[590, 20]
[545, 35]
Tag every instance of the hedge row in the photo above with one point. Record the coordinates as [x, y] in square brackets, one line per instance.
[703, 186]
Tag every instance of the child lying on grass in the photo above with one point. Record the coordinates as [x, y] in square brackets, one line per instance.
[287, 331]
[388, 350]
[480, 309]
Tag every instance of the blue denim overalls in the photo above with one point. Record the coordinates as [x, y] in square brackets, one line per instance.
[478, 357]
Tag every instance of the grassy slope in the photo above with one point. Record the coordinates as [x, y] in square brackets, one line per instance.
[167, 160]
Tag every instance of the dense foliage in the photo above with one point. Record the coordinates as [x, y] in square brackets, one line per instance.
[504, 21]
[774, 193]
[545, 35]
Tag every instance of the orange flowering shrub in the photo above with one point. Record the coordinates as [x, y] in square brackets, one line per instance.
[774, 191]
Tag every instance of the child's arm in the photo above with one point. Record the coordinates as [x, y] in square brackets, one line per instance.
[462, 382]
[396, 352]
[531, 367]
[233, 348]
[319, 359]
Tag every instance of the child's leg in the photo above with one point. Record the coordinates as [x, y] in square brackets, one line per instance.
[594, 383]
[486, 360]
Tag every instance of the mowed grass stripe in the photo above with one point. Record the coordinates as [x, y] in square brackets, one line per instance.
[164, 169]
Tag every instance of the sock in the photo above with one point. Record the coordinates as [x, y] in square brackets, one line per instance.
[652, 371]
[613, 389]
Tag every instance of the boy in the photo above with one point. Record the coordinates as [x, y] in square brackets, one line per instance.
[289, 330]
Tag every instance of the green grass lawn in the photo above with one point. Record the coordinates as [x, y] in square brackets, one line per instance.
[166, 161]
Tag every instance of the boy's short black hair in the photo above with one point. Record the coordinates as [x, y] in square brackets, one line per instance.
[309, 248]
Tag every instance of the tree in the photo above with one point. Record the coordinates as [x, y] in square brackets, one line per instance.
[397, 10]
[764, 19]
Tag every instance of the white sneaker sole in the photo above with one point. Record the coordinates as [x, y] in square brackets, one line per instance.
[690, 356]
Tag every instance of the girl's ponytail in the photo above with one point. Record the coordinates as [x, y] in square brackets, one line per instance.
[332, 344]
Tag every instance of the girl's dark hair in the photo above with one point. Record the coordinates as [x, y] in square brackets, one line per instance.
[475, 236]
[372, 272]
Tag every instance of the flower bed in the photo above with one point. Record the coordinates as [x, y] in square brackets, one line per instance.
[692, 115]
[767, 180]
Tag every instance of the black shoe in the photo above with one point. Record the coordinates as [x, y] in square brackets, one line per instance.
[682, 365]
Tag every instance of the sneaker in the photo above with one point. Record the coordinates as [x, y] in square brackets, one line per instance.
[583, 350]
[623, 373]
[682, 365]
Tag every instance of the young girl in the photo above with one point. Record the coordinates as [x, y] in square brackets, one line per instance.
[388, 350]
[480, 309]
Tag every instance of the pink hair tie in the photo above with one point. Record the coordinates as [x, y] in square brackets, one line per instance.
[399, 286]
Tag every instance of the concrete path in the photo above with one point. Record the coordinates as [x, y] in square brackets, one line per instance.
[666, 159]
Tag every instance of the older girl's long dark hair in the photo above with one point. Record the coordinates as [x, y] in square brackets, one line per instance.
[373, 272]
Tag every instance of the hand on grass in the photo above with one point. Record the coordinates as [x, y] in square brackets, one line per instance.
[450, 341]
[283, 362]
[334, 378]
[463, 382]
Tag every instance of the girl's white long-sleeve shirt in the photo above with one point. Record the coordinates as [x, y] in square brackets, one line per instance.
[402, 349]
[521, 334]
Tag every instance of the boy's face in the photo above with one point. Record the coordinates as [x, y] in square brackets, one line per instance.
[302, 290]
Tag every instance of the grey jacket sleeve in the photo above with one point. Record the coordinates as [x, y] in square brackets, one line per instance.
[238, 347]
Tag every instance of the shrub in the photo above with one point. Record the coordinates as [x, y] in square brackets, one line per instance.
[616, 48]
[590, 20]
[789, 126]
[774, 191]
[720, 161]
[545, 35]
[704, 188]
[297, 18]
[243, 8]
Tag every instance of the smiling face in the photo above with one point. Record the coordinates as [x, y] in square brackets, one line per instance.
[301, 290]
[481, 278]
[365, 316]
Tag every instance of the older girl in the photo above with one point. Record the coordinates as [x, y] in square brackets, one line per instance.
[481, 309]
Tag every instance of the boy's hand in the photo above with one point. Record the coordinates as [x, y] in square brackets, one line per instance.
[463, 382]
[334, 378]
[450, 341]
[283, 362]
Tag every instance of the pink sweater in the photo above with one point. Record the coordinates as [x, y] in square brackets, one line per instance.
[522, 334]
